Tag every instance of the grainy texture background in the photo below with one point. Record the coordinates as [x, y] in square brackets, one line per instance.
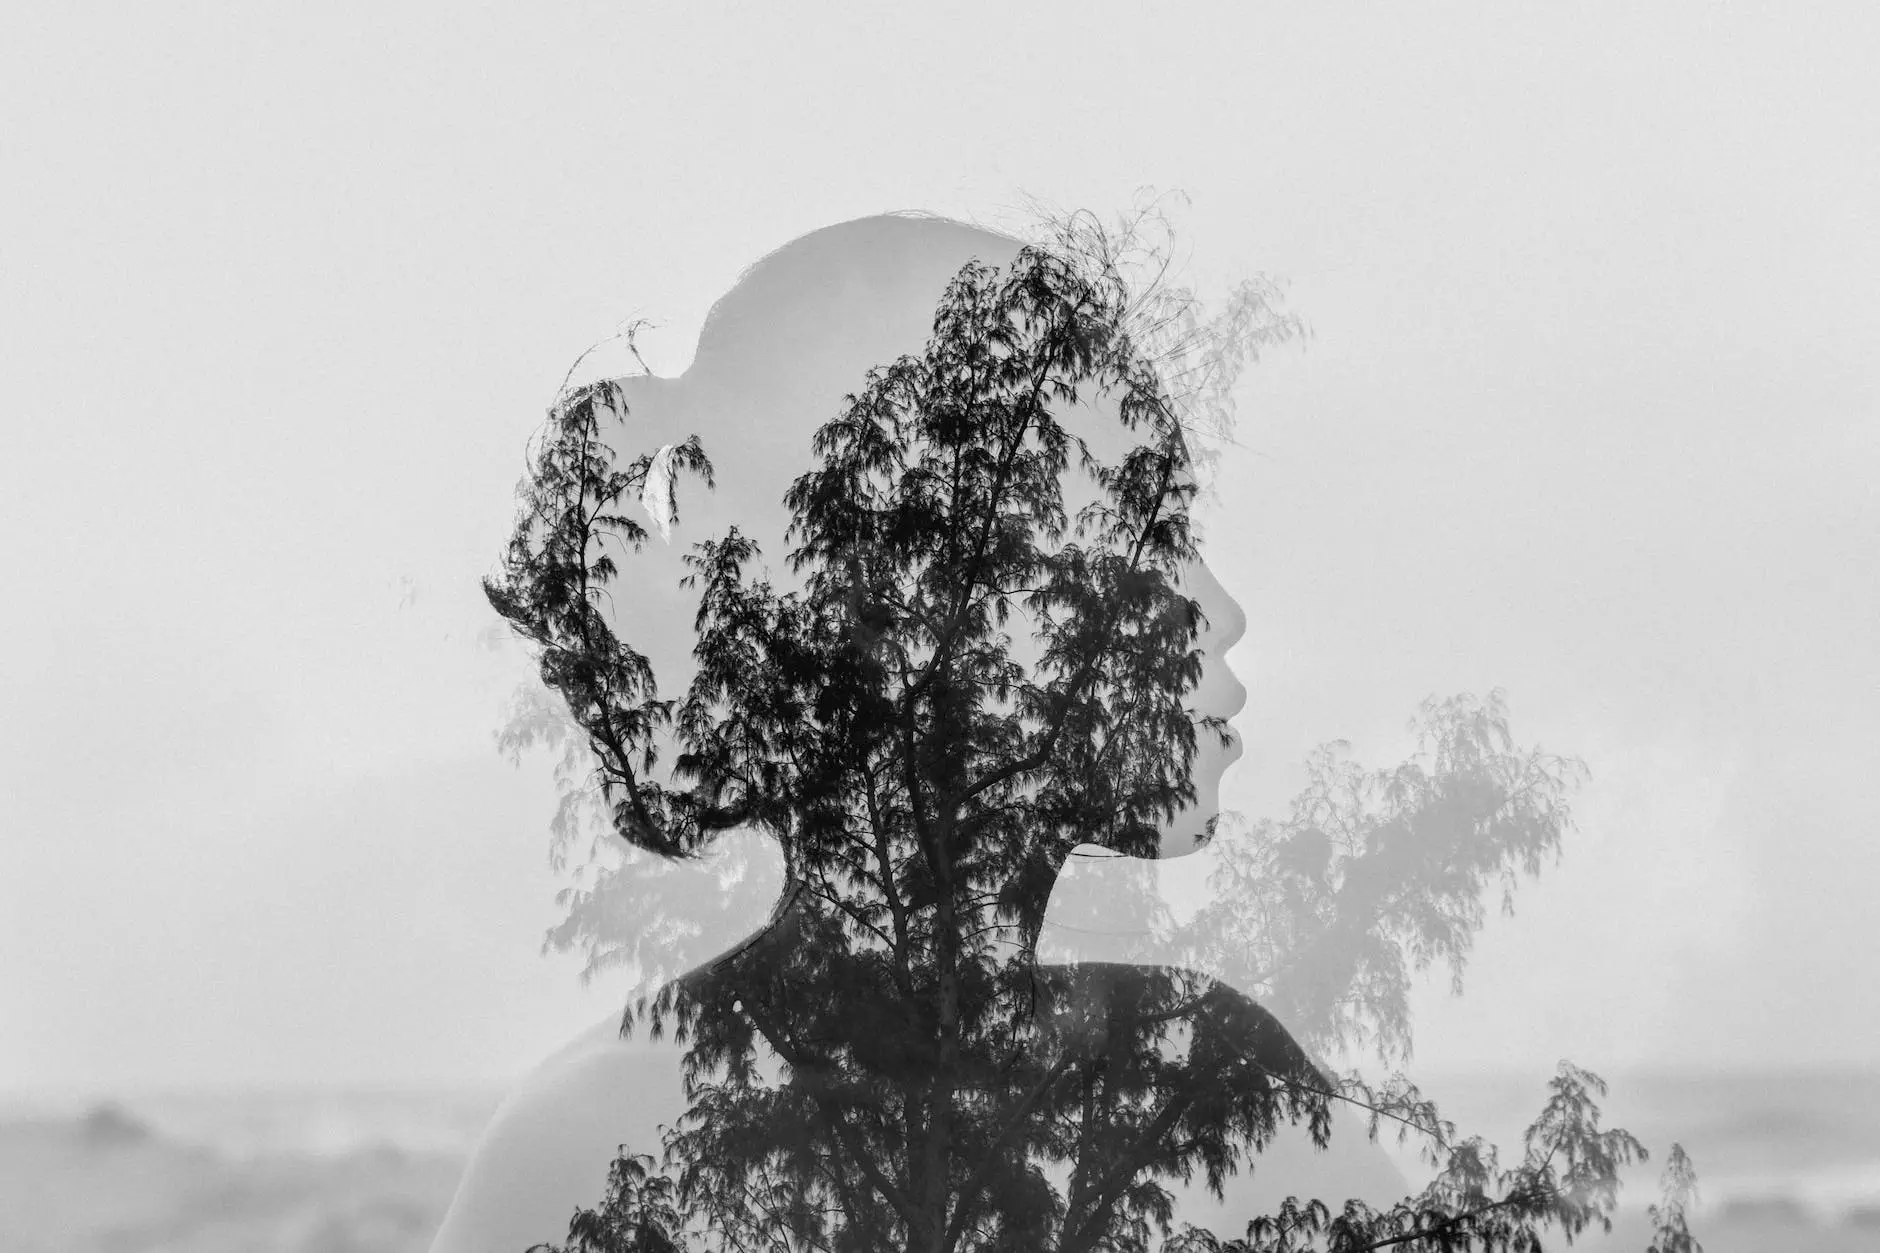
[1589, 414]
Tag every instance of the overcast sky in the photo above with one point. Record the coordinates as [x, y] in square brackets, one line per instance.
[1589, 413]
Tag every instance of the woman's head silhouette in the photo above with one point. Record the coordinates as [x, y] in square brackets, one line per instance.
[776, 358]
[887, 404]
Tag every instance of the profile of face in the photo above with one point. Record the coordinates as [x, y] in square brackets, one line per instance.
[1220, 694]
[774, 361]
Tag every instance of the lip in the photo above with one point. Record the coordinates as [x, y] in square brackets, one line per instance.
[1239, 702]
[1232, 701]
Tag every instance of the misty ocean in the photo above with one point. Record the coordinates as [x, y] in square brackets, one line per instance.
[1784, 1160]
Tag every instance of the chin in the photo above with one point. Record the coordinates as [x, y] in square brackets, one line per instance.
[1211, 766]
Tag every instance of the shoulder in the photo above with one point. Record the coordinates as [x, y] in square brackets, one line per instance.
[548, 1147]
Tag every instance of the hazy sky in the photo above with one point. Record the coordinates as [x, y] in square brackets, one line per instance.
[1589, 413]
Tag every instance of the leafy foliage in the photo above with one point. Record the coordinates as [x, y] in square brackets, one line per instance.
[981, 670]
[1671, 1232]
[640, 1215]
[1375, 875]
[553, 586]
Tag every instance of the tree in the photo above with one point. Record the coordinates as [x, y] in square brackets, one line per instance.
[975, 676]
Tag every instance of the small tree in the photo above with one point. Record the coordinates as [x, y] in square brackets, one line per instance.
[971, 680]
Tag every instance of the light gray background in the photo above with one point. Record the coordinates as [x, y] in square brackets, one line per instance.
[1589, 413]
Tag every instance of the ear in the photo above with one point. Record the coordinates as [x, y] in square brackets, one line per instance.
[656, 492]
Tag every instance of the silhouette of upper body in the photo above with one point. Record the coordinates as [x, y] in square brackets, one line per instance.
[775, 360]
